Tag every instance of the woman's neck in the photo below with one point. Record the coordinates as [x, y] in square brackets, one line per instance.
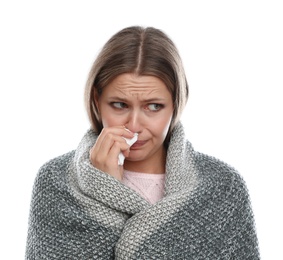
[154, 164]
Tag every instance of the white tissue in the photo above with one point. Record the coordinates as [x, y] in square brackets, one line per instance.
[130, 142]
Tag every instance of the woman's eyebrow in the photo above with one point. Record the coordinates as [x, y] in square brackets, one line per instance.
[117, 98]
[155, 99]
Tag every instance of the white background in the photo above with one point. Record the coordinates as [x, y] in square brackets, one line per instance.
[232, 53]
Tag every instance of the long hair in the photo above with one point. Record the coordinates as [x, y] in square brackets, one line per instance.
[144, 52]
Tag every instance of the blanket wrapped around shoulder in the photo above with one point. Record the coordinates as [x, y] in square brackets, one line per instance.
[80, 212]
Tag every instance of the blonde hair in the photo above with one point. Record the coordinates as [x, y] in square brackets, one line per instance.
[143, 51]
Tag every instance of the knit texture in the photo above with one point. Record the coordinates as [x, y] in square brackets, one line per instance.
[80, 212]
[150, 186]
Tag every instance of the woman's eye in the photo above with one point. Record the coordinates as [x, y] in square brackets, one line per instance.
[154, 107]
[119, 105]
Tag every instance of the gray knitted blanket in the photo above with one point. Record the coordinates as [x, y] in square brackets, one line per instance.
[79, 212]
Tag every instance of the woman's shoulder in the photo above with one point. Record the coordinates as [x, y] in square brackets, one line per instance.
[54, 170]
[223, 180]
[211, 162]
[218, 171]
[58, 163]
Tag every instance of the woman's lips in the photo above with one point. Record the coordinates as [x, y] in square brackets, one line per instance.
[138, 144]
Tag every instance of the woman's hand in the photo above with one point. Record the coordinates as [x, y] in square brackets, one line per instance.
[104, 153]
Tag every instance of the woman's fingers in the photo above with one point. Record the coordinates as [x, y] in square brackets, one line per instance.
[110, 135]
[117, 130]
[109, 148]
[104, 153]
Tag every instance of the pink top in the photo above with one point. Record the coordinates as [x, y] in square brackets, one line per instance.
[150, 186]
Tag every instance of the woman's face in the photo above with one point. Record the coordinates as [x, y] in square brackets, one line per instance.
[142, 104]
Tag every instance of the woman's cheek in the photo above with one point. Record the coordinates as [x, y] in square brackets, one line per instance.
[112, 121]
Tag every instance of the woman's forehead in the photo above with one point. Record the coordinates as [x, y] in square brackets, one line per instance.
[127, 83]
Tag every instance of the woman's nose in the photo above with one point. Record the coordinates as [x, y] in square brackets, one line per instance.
[134, 122]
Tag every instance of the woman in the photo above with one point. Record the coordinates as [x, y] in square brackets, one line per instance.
[165, 200]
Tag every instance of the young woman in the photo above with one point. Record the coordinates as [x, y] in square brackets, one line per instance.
[135, 188]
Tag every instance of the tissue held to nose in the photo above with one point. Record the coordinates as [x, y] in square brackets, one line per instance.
[130, 142]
